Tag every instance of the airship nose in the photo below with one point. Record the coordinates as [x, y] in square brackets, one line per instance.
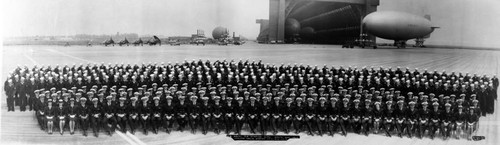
[371, 20]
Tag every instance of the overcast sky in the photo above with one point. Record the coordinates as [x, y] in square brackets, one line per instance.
[161, 17]
[462, 22]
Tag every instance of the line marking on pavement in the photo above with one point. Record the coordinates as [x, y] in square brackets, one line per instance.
[30, 58]
[65, 54]
[126, 138]
[133, 137]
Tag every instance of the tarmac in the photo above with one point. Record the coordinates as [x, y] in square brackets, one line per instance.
[21, 127]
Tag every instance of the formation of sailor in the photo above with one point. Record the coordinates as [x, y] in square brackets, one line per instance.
[229, 95]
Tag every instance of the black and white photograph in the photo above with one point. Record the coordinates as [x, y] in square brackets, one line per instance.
[242, 72]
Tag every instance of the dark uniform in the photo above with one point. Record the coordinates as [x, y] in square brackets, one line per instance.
[83, 115]
[22, 92]
[194, 114]
[400, 116]
[276, 119]
[345, 115]
[423, 119]
[61, 113]
[40, 112]
[460, 119]
[229, 115]
[109, 118]
[50, 113]
[217, 114]
[298, 115]
[133, 114]
[447, 118]
[181, 111]
[72, 111]
[169, 114]
[472, 119]
[96, 119]
[367, 116]
[389, 118]
[252, 113]
[121, 111]
[310, 115]
[287, 115]
[322, 115]
[435, 116]
[264, 110]
[333, 115]
[157, 114]
[356, 114]
[206, 115]
[378, 116]
[31, 87]
[145, 114]
[240, 112]
[10, 92]
[411, 115]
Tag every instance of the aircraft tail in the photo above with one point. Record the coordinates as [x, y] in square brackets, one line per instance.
[428, 17]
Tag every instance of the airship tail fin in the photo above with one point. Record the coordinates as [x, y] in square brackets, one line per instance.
[428, 17]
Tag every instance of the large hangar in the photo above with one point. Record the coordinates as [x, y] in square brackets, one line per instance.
[315, 21]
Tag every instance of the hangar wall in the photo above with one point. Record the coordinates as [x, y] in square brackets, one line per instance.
[315, 21]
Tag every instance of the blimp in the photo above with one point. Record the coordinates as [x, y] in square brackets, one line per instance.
[398, 26]
[220, 33]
